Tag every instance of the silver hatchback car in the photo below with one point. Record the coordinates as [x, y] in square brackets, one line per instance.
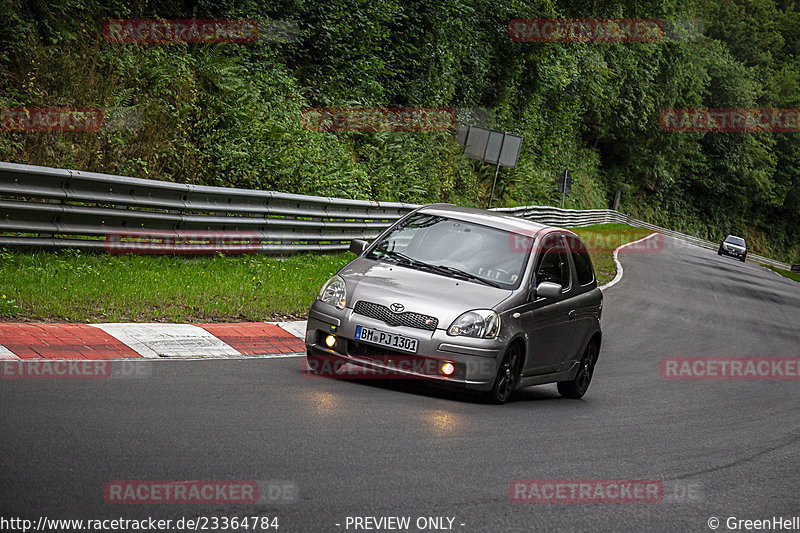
[475, 298]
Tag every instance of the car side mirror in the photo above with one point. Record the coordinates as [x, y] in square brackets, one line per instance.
[548, 289]
[357, 246]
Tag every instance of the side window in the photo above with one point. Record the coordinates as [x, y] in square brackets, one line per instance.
[554, 266]
[583, 263]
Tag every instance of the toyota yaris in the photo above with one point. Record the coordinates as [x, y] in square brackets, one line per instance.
[475, 298]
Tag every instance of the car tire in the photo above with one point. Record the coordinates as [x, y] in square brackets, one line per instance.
[743, 258]
[577, 387]
[508, 375]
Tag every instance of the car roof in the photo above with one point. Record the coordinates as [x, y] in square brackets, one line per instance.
[734, 236]
[489, 218]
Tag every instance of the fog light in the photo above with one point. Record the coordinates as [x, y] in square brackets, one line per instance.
[448, 368]
[330, 341]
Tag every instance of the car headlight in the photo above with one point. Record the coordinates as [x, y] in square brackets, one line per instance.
[333, 292]
[481, 323]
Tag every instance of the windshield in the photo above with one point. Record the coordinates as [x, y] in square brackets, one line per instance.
[454, 248]
[735, 240]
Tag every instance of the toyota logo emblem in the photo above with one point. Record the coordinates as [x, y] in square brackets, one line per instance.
[397, 308]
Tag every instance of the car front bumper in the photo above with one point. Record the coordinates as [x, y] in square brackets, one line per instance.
[733, 252]
[475, 360]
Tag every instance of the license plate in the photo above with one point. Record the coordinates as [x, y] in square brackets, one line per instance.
[384, 338]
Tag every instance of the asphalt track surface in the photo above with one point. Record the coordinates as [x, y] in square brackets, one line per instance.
[720, 448]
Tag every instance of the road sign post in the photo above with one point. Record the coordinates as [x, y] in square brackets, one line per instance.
[499, 148]
[496, 172]
[564, 185]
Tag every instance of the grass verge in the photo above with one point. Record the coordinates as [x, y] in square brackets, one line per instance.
[70, 286]
[602, 239]
[786, 273]
[74, 287]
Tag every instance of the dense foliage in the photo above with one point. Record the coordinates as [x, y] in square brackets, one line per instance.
[229, 114]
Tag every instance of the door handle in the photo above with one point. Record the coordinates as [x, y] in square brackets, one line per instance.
[573, 314]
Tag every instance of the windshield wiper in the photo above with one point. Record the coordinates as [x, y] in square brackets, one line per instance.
[441, 269]
[466, 275]
[403, 258]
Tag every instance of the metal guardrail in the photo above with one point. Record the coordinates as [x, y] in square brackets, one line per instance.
[576, 218]
[42, 207]
[567, 218]
[57, 208]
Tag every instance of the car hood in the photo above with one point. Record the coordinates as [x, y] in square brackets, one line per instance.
[734, 247]
[417, 291]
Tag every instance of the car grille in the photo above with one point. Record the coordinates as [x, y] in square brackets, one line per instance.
[416, 364]
[383, 313]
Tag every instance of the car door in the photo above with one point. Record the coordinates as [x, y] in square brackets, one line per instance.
[547, 320]
[585, 301]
